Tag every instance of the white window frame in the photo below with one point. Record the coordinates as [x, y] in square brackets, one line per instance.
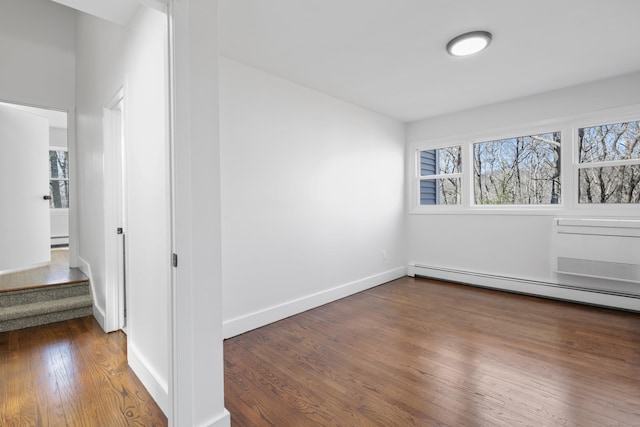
[439, 175]
[414, 199]
[568, 127]
[605, 118]
[546, 129]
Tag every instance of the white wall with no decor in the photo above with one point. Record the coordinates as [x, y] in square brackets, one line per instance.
[57, 137]
[312, 198]
[504, 245]
[37, 47]
[108, 58]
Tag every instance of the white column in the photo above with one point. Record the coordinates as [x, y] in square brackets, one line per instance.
[197, 387]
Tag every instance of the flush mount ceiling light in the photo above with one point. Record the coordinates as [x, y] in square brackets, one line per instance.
[469, 43]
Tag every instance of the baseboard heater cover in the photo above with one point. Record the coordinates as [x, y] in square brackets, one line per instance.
[557, 291]
[598, 248]
[599, 269]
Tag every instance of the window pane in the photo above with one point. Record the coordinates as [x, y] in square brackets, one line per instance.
[441, 160]
[518, 171]
[614, 184]
[440, 191]
[618, 141]
[59, 192]
[58, 164]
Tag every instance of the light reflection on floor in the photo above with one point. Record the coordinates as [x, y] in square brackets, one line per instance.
[56, 272]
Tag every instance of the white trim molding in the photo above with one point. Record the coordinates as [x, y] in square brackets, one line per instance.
[98, 312]
[112, 197]
[223, 420]
[152, 381]
[241, 324]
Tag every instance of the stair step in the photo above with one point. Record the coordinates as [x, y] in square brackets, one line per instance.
[47, 304]
[44, 307]
[45, 293]
[43, 312]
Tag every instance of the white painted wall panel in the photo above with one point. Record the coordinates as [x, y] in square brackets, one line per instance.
[108, 58]
[312, 193]
[37, 47]
[58, 138]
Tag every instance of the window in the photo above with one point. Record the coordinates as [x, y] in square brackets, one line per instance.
[535, 169]
[440, 172]
[609, 163]
[523, 170]
[59, 179]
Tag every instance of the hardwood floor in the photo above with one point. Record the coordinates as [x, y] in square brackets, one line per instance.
[71, 374]
[416, 352]
[57, 272]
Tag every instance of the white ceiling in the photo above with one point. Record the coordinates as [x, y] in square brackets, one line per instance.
[389, 55]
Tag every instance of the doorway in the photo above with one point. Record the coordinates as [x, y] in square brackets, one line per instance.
[115, 212]
[48, 263]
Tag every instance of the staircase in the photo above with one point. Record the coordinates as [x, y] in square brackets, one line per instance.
[45, 304]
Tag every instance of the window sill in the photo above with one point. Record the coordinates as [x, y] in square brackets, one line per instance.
[626, 211]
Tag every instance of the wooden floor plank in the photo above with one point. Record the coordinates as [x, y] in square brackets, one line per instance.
[71, 374]
[411, 352]
[422, 352]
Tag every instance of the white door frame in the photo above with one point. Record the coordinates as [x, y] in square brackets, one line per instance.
[73, 184]
[196, 382]
[114, 210]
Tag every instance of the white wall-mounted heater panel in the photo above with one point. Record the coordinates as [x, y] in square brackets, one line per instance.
[599, 248]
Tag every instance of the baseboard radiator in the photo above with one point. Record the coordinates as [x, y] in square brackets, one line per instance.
[567, 292]
[597, 248]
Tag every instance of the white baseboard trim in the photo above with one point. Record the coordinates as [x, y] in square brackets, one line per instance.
[529, 287]
[99, 315]
[223, 420]
[242, 324]
[157, 388]
[98, 312]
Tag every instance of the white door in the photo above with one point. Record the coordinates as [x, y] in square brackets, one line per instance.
[24, 183]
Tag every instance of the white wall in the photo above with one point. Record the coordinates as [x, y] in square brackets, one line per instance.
[512, 246]
[109, 57]
[312, 194]
[57, 137]
[37, 47]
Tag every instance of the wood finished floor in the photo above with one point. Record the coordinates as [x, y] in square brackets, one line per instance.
[416, 352]
[71, 374]
[56, 273]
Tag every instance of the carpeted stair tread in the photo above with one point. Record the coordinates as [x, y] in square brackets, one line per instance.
[45, 307]
[24, 308]
[33, 295]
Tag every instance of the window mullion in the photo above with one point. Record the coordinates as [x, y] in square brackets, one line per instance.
[608, 163]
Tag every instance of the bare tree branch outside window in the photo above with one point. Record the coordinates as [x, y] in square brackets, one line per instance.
[609, 163]
[59, 179]
[523, 170]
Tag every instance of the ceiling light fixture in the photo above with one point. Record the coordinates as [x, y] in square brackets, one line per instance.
[469, 43]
